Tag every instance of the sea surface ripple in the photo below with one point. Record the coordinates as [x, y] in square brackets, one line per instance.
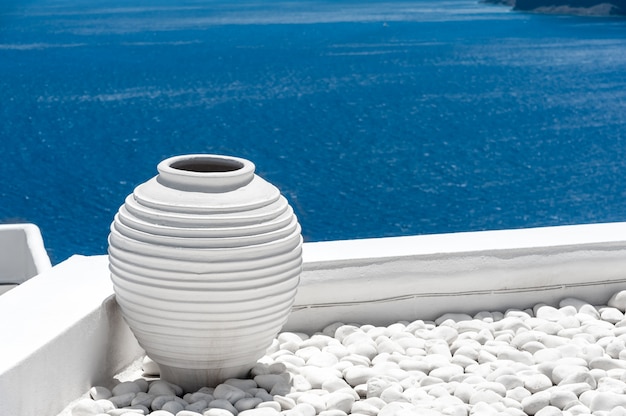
[374, 118]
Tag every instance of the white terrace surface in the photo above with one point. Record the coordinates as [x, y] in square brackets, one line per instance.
[62, 331]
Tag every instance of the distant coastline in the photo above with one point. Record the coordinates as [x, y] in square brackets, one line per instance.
[572, 7]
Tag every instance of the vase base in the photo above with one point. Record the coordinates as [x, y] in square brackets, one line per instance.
[191, 379]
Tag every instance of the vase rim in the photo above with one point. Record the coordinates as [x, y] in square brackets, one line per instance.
[205, 172]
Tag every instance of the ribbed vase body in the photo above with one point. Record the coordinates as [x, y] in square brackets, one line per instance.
[205, 260]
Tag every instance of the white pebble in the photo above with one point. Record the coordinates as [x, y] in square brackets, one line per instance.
[366, 349]
[339, 401]
[307, 352]
[334, 384]
[548, 313]
[86, 407]
[286, 403]
[618, 300]
[277, 368]
[289, 337]
[331, 329]
[484, 396]
[159, 401]
[173, 407]
[223, 404]
[125, 388]
[318, 340]
[301, 409]
[578, 409]
[491, 386]
[267, 381]
[561, 398]
[447, 373]
[618, 411]
[546, 411]
[229, 392]
[464, 392]
[614, 347]
[467, 350]
[393, 393]
[197, 406]
[216, 411]
[318, 375]
[454, 411]
[571, 302]
[122, 400]
[399, 408]
[99, 392]
[272, 404]
[357, 337]
[355, 359]
[611, 384]
[485, 356]
[358, 375]
[561, 371]
[280, 388]
[300, 383]
[262, 394]
[388, 346]
[242, 383]
[188, 413]
[537, 382]
[317, 402]
[150, 367]
[511, 354]
[377, 384]
[576, 377]
[160, 388]
[611, 314]
[607, 401]
[588, 311]
[261, 411]
[455, 317]
[364, 408]
[105, 404]
[197, 396]
[460, 360]
[323, 359]
[125, 412]
[532, 404]
[161, 413]
[333, 412]
[259, 369]
[547, 355]
[247, 403]
[344, 330]
[510, 381]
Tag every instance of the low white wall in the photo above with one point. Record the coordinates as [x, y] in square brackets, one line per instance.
[62, 331]
[22, 253]
[61, 334]
[380, 281]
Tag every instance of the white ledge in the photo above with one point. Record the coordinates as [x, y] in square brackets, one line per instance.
[22, 253]
[65, 323]
[380, 281]
[373, 249]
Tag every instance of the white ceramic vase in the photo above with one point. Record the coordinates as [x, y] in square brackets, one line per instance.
[205, 260]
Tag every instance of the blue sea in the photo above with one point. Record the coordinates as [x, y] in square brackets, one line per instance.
[374, 118]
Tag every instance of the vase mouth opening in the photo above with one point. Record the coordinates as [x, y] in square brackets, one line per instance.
[207, 164]
[205, 172]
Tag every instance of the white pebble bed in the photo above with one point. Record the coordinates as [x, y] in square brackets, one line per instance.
[544, 361]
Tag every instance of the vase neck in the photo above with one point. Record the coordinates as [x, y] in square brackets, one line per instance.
[205, 173]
